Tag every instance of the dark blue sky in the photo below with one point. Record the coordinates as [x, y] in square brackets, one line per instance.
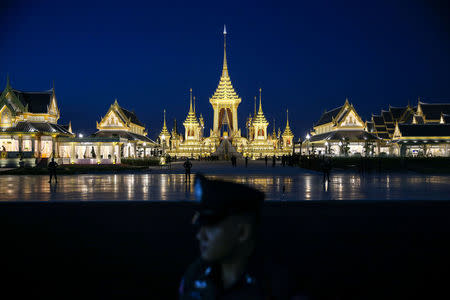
[307, 56]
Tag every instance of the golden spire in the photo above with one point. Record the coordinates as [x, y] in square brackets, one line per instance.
[190, 105]
[7, 81]
[194, 104]
[260, 106]
[287, 117]
[287, 131]
[260, 118]
[164, 131]
[274, 134]
[164, 118]
[225, 67]
[174, 129]
[254, 114]
[225, 90]
[191, 119]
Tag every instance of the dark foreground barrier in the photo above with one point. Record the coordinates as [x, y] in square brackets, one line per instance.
[338, 250]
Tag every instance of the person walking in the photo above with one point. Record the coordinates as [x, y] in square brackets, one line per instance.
[326, 168]
[187, 169]
[52, 170]
[265, 158]
[273, 161]
[246, 161]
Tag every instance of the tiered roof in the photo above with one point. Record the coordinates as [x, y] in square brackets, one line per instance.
[191, 118]
[328, 116]
[287, 130]
[164, 130]
[424, 130]
[225, 90]
[432, 111]
[260, 119]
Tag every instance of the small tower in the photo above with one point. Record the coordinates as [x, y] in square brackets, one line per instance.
[273, 137]
[260, 123]
[164, 136]
[287, 136]
[202, 125]
[176, 138]
[191, 124]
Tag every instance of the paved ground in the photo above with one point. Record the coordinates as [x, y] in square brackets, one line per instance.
[278, 183]
[224, 168]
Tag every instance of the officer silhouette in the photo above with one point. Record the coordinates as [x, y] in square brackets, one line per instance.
[52, 170]
[229, 266]
[187, 170]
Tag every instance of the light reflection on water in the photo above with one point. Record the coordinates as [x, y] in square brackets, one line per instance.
[166, 187]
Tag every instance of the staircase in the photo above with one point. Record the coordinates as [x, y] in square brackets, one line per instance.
[226, 150]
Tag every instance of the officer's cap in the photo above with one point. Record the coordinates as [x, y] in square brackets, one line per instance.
[219, 199]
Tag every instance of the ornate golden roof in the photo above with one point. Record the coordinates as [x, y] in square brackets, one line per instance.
[260, 119]
[287, 130]
[191, 118]
[225, 90]
[164, 130]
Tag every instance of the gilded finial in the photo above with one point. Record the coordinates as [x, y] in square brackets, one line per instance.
[260, 106]
[287, 117]
[194, 104]
[225, 67]
[7, 80]
[164, 118]
[190, 105]
[255, 107]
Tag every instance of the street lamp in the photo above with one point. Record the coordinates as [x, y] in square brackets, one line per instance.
[307, 142]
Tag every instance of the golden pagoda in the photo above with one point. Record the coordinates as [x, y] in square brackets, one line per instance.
[225, 138]
[164, 136]
[260, 145]
[225, 102]
[287, 135]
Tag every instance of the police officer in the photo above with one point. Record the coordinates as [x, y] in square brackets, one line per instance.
[187, 170]
[229, 267]
[52, 170]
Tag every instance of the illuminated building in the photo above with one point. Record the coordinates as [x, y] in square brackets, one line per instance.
[412, 131]
[29, 126]
[340, 131]
[225, 138]
[399, 131]
[30, 133]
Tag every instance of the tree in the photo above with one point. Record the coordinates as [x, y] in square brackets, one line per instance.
[343, 145]
[368, 148]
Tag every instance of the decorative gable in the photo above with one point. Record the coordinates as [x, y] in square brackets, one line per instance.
[111, 121]
[397, 132]
[6, 117]
[351, 119]
[53, 108]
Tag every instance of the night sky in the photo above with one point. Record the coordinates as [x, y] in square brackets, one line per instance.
[307, 56]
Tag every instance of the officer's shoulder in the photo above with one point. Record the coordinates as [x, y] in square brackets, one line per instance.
[194, 270]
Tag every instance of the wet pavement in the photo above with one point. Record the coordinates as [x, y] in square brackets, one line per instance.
[278, 183]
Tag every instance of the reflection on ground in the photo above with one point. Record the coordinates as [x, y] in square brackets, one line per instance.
[166, 187]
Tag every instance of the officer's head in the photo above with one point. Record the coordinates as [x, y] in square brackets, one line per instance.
[227, 217]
